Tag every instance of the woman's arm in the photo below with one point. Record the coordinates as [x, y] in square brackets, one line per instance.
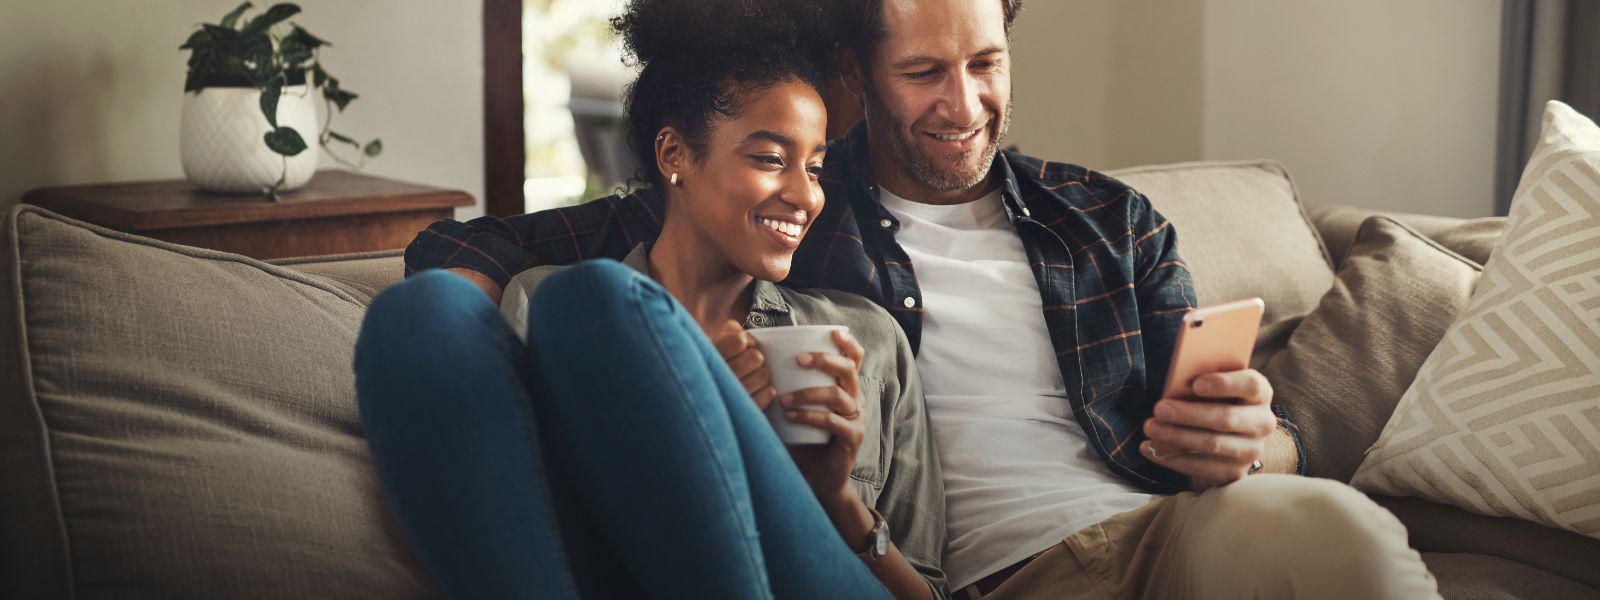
[484, 282]
[827, 469]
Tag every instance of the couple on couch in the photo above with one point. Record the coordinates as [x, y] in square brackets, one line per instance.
[620, 449]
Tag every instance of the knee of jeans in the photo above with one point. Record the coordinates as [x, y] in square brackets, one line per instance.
[425, 310]
[588, 292]
[1285, 518]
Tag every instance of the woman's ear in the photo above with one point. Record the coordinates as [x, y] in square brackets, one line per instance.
[672, 155]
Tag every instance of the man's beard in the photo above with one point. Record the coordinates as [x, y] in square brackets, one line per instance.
[896, 136]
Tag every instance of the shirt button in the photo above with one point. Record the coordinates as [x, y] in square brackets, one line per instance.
[910, 302]
[886, 223]
[757, 320]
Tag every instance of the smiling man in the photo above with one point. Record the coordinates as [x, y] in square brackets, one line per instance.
[1043, 299]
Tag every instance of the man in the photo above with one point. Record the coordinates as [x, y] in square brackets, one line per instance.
[1043, 299]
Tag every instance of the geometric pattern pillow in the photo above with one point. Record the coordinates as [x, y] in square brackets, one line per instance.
[1504, 416]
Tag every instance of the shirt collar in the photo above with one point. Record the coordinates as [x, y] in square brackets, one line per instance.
[766, 298]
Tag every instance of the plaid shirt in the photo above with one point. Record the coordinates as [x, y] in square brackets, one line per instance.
[1113, 287]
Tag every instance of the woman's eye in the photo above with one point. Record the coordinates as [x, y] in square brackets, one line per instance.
[815, 171]
[768, 159]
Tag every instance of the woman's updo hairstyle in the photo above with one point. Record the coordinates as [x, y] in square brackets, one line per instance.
[699, 59]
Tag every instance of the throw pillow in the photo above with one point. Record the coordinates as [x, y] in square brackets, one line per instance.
[1504, 417]
[1352, 358]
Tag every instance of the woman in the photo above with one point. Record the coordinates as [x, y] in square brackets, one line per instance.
[618, 435]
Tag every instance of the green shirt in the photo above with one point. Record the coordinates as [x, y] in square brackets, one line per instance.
[897, 469]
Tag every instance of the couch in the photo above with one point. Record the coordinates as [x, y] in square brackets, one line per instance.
[181, 423]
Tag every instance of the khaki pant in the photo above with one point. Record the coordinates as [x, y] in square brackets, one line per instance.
[1267, 536]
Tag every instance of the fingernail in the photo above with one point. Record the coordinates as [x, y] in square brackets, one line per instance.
[805, 360]
[1164, 409]
[1154, 426]
[1205, 385]
[792, 414]
[786, 400]
[1146, 448]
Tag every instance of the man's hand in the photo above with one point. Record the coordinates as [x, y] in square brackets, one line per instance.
[483, 282]
[738, 349]
[1214, 441]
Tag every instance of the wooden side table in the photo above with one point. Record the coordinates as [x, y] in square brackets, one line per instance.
[337, 212]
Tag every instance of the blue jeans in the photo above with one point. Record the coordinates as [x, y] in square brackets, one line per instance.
[613, 453]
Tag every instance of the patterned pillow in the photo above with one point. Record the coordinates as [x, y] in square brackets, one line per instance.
[1504, 417]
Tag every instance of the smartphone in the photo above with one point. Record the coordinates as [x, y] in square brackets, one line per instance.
[1212, 339]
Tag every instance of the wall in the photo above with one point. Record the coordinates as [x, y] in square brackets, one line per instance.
[1374, 103]
[90, 91]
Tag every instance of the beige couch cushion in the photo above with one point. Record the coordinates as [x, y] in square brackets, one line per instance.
[181, 423]
[1504, 416]
[1353, 357]
[1242, 232]
[1441, 528]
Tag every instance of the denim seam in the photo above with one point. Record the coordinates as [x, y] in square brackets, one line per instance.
[635, 290]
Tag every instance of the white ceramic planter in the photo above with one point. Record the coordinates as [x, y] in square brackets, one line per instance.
[220, 139]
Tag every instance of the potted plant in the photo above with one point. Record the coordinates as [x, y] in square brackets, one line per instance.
[249, 95]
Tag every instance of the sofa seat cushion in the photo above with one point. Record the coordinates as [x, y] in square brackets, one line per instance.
[1481, 577]
[1242, 232]
[181, 423]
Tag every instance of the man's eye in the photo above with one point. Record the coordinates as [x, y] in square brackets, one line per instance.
[984, 65]
[921, 74]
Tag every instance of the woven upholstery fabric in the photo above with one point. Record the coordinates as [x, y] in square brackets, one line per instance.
[181, 423]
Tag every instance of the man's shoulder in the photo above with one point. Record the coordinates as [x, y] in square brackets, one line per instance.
[1076, 185]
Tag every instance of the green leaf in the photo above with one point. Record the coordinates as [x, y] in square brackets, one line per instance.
[269, 101]
[374, 148]
[285, 141]
[305, 38]
[233, 17]
[343, 138]
[339, 97]
[273, 16]
[197, 39]
[318, 75]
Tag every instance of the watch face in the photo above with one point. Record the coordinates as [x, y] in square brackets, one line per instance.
[881, 544]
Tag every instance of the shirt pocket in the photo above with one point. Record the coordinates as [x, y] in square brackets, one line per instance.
[870, 465]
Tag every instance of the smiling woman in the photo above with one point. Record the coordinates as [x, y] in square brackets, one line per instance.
[645, 394]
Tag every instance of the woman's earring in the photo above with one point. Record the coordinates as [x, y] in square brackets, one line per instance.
[674, 181]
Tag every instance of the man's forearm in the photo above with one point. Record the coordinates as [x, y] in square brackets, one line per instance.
[1280, 455]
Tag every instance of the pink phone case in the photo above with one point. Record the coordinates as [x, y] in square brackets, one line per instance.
[1213, 338]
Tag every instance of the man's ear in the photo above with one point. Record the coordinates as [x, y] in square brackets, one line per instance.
[852, 72]
[672, 153]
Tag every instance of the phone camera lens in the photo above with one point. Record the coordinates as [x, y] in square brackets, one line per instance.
[1197, 324]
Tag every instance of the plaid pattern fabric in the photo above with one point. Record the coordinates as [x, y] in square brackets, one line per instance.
[1113, 286]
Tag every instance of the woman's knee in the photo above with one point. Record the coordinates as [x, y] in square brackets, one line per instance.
[594, 293]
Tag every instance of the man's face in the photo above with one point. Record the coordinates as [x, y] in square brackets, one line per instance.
[938, 94]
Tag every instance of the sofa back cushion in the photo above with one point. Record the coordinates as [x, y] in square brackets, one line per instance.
[181, 423]
[1243, 233]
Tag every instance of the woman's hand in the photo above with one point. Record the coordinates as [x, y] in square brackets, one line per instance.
[827, 466]
[738, 349]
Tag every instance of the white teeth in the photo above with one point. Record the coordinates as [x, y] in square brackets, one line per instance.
[783, 227]
[955, 137]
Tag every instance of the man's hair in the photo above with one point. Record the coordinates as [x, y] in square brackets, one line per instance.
[860, 23]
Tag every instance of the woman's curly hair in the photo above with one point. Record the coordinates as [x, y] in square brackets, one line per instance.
[699, 60]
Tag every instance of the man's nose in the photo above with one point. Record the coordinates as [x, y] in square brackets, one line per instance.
[961, 100]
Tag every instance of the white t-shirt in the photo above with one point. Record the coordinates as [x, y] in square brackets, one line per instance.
[1019, 474]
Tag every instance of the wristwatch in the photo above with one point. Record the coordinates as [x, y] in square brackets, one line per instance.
[877, 540]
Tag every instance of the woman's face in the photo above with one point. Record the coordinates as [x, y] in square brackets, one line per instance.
[753, 193]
